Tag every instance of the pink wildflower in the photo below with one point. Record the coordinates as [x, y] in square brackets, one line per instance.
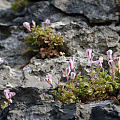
[59, 33]
[92, 62]
[27, 26]
[47, 21]
[73, 74]
[68, 70]
[92, 55]
[9, 95]
[99, 62]
[66, 74]
[109, 53]
[119, 62]
[89, 53]
[33, 22]
[6, 92]
[71, 63]
[112, 64]
[48, 79]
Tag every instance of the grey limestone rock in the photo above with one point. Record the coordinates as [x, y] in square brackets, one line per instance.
[76, 20]
[95, 10]
[4, 4]
[29, 106]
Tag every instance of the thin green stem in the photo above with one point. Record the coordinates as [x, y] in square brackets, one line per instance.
[112, 74]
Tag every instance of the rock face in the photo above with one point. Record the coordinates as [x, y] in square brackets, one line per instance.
[11, 50]
[84, 24]
[58, 111]
[95, 10]
[4, 4]
[78, 38]
[29, 106]
[100, 11]
[12, 45]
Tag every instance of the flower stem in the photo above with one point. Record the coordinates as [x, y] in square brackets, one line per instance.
[112, 74]
[119, 76]
[119, 73]
[67, 78]
[91, 71]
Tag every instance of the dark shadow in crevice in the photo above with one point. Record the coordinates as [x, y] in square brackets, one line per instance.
[5, 32]
[101, 113]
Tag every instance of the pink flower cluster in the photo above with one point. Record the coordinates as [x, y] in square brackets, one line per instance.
[70, 71]
[9, 95]
[27, 24]
[114, 62]
[91, 55]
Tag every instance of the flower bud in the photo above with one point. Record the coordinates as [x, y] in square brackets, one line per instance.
[27, 26]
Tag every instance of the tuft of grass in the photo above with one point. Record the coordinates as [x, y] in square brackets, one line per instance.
[17, 4]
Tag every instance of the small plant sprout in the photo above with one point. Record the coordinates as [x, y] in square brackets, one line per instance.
[48, 79]
[9, 95]
[43, 42]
